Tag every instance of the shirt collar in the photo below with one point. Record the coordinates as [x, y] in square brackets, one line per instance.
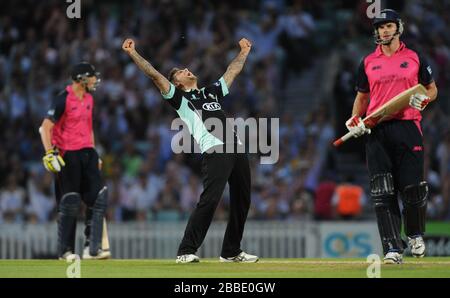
[69, 89]
[379, 51]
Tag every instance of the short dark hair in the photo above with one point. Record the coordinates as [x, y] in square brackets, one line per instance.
[172, 73]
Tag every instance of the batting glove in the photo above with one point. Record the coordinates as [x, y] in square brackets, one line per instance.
[419, 101]
[356, 126]
[53, 161]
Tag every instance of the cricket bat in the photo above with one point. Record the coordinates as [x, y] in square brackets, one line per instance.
[105, 240]
[386, 111]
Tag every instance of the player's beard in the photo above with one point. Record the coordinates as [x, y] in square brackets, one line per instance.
[379, 40]
[387, 41]
[87, 88]
[91, 87]
[192, 80]
[188, 83]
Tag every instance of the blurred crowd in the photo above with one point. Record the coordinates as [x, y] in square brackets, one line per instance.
[146, 180]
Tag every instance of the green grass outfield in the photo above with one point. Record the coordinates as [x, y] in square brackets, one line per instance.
[266, 268]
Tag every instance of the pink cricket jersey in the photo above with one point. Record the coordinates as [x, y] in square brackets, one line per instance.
[385, 77]
[73, 121]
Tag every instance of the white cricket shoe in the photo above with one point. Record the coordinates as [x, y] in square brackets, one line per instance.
[417, 246]
[69, 256]
[243, 257]
[102, 254]
[189, 258]
[393, 257]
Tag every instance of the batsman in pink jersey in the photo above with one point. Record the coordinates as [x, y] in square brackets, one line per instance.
[394, 149]
[68, 138]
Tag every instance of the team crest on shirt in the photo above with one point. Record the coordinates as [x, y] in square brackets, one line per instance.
[404, 65]
[211, 106]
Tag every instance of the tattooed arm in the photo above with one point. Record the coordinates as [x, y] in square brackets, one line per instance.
[158, 79]
[237, 64]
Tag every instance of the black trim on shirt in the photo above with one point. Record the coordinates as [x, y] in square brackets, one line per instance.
[57, 107]
[425, 72]
[362, 82]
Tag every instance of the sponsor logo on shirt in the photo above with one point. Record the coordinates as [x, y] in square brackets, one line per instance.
[404, 65]
[429, 69]
[376, 67]
[211, 106]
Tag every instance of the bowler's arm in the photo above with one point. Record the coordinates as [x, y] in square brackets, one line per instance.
[158, 79]
[237, 64]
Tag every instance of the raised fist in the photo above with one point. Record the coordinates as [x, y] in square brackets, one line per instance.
[128, 45]
[245, 45]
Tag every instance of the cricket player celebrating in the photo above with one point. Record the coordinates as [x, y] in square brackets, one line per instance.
[68, 139]
[196, 106]
[394, 148]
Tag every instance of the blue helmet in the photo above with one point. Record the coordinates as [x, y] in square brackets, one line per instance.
[81, 71]
[387, 16]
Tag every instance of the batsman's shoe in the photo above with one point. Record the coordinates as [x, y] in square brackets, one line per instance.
[101, 255]
[417, 246]
[190, 258]
[243, 257]
[393, 257]
[69, 256]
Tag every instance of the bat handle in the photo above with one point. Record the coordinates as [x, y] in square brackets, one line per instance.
[338, 142]
[342, 139]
